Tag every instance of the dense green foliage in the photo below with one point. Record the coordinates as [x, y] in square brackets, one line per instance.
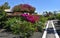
[3, 14]
[25, 28]
[58, 16]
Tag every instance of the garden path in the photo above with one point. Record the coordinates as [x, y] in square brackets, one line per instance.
[50, 31]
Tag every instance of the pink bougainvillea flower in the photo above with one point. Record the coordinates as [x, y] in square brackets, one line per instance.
[30, 18]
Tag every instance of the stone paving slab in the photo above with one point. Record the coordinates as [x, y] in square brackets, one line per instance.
[36, 35]
[9, 35]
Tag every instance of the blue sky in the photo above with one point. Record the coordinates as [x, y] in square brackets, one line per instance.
[40, 5]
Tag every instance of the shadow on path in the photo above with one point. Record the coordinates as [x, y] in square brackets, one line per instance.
[50, 31]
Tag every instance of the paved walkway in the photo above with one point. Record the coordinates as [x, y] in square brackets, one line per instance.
[50, 31]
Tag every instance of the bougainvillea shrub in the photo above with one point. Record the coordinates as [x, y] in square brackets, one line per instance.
[24, 8]
[30, 18]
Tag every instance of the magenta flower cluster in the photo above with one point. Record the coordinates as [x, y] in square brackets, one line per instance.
[30, 18]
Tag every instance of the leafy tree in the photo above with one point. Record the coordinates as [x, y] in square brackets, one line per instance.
[2, 18]
[55, 12]
[50, 13]
[5, 6]
[24, 8]
[46, 14]
[58, 16]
